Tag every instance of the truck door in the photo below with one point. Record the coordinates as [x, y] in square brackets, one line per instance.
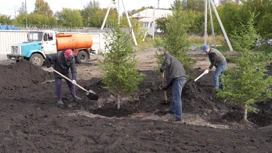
[49, 43]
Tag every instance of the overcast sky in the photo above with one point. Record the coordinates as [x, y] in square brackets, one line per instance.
[9, 7]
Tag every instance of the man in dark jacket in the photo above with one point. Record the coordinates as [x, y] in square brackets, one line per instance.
[218, 60]
[176, 77]
[64, 62]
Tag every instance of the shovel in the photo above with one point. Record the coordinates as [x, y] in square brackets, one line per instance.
[205, 72]
[164, 92]
[90, 94]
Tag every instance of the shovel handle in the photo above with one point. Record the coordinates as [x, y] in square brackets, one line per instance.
[69, 80]
[200, 76]
[164, 92]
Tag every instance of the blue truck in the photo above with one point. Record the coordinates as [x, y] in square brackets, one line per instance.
[45, 42]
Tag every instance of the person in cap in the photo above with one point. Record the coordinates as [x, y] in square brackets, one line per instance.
[176, 77]
[64, 62]
[217, 60]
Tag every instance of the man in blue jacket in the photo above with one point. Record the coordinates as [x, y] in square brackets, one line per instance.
[176, 77]
[64, 62]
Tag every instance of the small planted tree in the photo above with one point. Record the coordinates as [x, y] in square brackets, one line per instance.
[121, 77]
[176, 40]
[247, 83]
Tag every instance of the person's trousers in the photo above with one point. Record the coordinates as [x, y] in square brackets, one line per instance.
[58, 82]
[176, 105]
[219, 71]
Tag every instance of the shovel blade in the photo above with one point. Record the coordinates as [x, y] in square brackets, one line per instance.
[92, 95]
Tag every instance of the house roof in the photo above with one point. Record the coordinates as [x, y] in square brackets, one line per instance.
[146, 19]
[148, 13]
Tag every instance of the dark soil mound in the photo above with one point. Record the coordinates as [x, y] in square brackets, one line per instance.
[21, 75]
[196, 97]
[199, 97]
[263, 117]
[147, 98]
[233, 116]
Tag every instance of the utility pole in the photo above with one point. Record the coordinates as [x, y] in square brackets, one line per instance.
[219, 21]
[158, 4]
[15, 12]
[211, 20]
[26, 13]
[119, 13]
[205, 24]
[129, 23]
[221, 25]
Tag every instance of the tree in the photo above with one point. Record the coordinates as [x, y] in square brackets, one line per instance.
[69, 17]
[231, 16]
[196, 5]
[263, 20]
[5, 19]
[90, 12]
[42, 7]
[247, 83]
[38, 19]
[176, 39]
[121, 77]
[93, 15]
[161, 23]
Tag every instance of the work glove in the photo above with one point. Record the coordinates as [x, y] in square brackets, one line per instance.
[74, 82]
[50, 68]
[164, 88]
[161, 70]
[48, 65]
[167, 86]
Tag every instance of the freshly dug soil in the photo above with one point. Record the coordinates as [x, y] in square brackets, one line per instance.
[21, 75]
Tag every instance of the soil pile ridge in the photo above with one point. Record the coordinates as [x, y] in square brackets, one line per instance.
[21, 75]
[198, 97]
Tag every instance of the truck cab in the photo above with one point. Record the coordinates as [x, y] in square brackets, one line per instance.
[45, 42]
[39, 43]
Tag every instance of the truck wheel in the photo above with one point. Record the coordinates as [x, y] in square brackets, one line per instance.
[36, 59]
[82, 57]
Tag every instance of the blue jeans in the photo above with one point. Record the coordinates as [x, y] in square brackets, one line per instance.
[219, 71]
[176, 105]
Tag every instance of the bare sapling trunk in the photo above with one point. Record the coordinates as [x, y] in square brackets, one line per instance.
[245, 113]
[118, 101]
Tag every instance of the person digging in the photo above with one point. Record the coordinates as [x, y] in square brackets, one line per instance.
[176, 77]
[218, 60]
[64, 62]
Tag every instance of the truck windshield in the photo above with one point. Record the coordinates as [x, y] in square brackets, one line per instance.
[35, 36]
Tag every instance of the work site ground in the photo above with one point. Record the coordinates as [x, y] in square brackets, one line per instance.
[33, 122]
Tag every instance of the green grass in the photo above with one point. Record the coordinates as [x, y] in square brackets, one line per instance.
[148, 43]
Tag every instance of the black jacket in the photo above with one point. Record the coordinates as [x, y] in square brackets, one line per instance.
[61, 64]
[173, 69]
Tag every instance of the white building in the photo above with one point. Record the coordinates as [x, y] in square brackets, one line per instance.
[147, 16]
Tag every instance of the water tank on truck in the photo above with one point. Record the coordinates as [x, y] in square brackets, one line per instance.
[80, 43]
